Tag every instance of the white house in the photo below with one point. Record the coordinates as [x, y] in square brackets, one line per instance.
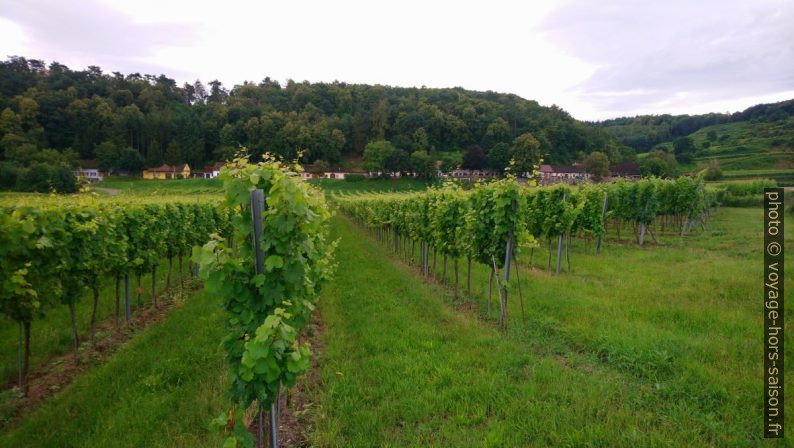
[308, 172]
[461, 173]
[89, 170]
[211, 171]
[335, 175]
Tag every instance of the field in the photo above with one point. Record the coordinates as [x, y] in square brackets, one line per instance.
[133, 186]
[153, 187]
[634, 347]
[375, 185]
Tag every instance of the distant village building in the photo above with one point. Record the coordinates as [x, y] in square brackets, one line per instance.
[335, 175]
[575, 173]
[89, 170]
[210, 171]
[461, 173]
[626, 170]
[310, 172]
[552, 174]
[341, 174]
[166, 171]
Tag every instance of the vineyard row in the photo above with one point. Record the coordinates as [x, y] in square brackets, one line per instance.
[50, 256]
[492, 222]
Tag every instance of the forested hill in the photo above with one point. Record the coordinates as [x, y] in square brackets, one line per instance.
[142, 120]
[644, 132]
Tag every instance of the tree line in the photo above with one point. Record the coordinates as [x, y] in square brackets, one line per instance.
[132, 121]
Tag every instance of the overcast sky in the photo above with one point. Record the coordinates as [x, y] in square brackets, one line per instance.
[595, 59]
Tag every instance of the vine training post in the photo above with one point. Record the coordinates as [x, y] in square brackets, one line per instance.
[257, 211]
[268, 281]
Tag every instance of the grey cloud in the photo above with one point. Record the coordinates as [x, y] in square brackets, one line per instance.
[648, 52]
[94, 34]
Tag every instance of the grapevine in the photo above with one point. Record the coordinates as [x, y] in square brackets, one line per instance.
[267, 311]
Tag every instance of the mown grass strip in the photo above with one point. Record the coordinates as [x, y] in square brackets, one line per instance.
[403, 368]
[159, 390]
[51, 335]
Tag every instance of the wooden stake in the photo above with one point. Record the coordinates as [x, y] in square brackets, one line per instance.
[520, 295]
[490, 291]
[603, 223]
[468, 277]
[456, 278]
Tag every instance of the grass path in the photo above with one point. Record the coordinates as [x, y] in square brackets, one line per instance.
[401, 367]
[159, 390]
[51, 336]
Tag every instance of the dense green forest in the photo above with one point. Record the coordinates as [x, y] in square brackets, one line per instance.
[52, 116]
[645, 132]
[128, 122]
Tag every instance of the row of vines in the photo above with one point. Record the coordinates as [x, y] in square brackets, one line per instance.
[51, 255]
[491, 222]
[264, 251]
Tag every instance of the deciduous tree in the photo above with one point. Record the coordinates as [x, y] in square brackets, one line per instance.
[597, 164]
[376, 153]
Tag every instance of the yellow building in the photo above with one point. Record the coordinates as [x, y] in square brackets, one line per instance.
[168, 172]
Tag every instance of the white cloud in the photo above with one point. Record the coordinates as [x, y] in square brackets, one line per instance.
[13, 40]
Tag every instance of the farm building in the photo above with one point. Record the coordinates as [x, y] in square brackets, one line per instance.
[339, 173]
[469, 174]
[310, 172]
[209, 171]
[166, 171]
[335, 175]
[550, 174]
[89, 170]
[626, 170]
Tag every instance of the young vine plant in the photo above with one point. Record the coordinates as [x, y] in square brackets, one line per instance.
[266, 312]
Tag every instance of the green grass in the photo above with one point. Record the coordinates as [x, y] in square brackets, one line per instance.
[635, 347]
[159, 390]
[132, 185]
[401, 368]
[781, 176]
[141, 187]
[51, 335]
[371, 185]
